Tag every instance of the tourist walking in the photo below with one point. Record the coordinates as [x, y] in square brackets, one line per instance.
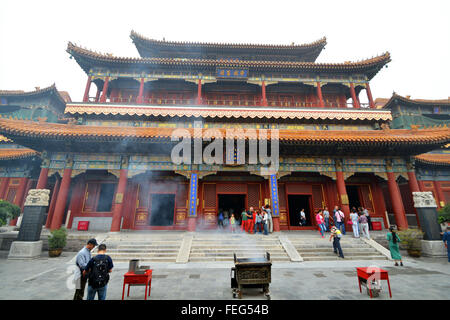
[81, 261]
[364, 225]
[446, 239]
[353, 221]
[98, 269]
[394, 240]
[326, 216]
[302, 217]
[367, 214]
[336, 235]
[339, 219]
[233, 223]
[320, 223]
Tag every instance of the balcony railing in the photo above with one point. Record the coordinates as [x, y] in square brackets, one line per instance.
[235, 103]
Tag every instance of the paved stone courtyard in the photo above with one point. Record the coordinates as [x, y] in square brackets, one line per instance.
[46, 279]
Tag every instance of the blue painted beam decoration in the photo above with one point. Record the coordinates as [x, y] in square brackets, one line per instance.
[274, 194]
[193, 195]
[232, 73]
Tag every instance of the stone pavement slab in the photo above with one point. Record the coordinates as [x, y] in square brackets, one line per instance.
[49, 279]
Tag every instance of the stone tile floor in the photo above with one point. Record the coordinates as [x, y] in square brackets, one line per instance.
[49, 279]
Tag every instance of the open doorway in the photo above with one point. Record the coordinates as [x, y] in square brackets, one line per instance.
[162, 210]
[232, 203]
[353, 196]
[295, 204]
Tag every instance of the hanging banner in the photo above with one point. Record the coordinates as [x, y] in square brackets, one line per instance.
[193, 195]
[274, 194]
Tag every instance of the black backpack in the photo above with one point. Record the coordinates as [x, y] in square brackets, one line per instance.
[99, 275]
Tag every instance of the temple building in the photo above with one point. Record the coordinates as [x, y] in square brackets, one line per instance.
[19, 165]
[432, 168]
[109, 160]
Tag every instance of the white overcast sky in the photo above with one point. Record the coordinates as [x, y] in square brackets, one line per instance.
[34, 36]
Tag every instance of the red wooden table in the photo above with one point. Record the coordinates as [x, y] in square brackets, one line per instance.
[133, 279]
[372, 273]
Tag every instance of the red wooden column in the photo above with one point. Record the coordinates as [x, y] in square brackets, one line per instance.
[397, 203]
[88, 88]
[60, 205]
[412, 180]
[319, 95]
[18, 199]
[342, 191]
[440, 194]
[369, 96]
[119, 198]
[263, 92]
[105, 90]
[4, 187]
[51, 208]
[354, 98]
[97, 95]
[43, 177]
[140, 98]
[199, 92]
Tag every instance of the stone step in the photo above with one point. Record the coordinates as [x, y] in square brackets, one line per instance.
[211, 259]
[346, 253]
[142, 251]
[335, 257]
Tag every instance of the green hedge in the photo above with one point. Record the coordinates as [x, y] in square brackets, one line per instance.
[8, 211]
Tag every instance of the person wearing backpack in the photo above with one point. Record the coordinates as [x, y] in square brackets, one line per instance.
[98, 269]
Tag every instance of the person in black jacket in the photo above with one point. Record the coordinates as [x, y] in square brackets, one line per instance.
[98, 269]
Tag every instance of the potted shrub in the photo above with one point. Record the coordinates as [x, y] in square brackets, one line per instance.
[411, 239]
[8, 211]
[444, 217]
[56, 242]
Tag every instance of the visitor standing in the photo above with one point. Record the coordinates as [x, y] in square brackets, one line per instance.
[354, 222]
[339, 219]
[326, 216]
[266, 208]
[251, 220]
[98, 269]
[364, 225]
[336, 235]
[320, 223]
[244, 220]
[265, 221]
[81, 261]
[258, 222]
[220, 220]
[302, 217]
[446, 239]
[394, 240]
[233, 223]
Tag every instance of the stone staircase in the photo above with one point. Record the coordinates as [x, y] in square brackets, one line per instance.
[213, 246]
[221, 247]
[312, 247]
[147, 247]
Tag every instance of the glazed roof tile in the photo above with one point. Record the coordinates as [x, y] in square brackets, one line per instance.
[63, 131]
[423, 102]
[434, 158]
[11, 154]
[367, 65]
[224, 112]
[151, 42]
